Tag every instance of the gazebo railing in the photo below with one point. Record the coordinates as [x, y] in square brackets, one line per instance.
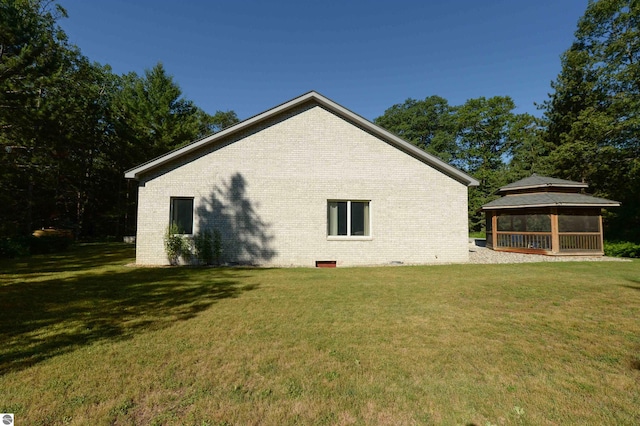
[524, 240]
[570, 242]
[580, 242]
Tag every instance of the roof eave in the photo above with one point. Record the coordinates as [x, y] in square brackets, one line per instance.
[135, 172]
[550, 205]
[435, 162]
[546, 185]
[401, 143]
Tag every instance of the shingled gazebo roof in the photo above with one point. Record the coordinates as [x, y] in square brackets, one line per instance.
[542, 191]
[537, 181]
[548, 199]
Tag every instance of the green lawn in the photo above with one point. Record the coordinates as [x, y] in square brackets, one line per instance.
[87, 340]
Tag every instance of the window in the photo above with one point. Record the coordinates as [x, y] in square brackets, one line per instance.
[348, 218]
[182, 214]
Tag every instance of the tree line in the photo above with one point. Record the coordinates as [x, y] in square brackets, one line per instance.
[589, 130]
[69, 127]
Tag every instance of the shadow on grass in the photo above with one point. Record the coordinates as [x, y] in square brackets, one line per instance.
[56, 313]
[635, 284]
[78, 257]
[632, 287]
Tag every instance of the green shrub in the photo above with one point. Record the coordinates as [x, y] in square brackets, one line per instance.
[14, 247]
[622, 249]
[176, 245]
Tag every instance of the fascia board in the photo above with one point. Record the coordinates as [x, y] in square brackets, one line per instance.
[550, 205]
[546, 185]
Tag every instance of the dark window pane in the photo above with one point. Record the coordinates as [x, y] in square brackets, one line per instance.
[359, 218]
[182, 214]
[342, 218]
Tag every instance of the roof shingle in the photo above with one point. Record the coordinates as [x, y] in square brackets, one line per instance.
[537, 181]
[548, 199]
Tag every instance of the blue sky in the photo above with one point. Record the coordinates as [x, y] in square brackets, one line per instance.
[249, 56]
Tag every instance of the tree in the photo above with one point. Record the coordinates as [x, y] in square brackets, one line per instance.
[594, 110]
[151, 117]
[69, 127]
[483, 137]
[529, 150]
[483, 128]
[80, 145]
[32, 55]
[428, 124]
[221, 120]
[488, 132]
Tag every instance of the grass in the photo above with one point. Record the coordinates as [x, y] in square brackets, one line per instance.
[479, 234]
[88, 340]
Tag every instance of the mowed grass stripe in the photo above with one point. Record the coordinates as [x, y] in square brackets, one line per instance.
[88, 340]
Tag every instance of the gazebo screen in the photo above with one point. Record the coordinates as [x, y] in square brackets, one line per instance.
[534, 222]
[578, 221]
[579, 230]
[521, 229]
[530, 230]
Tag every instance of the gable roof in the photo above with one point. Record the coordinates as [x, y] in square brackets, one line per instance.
[537, 181]
[548, 199]
[337, 109]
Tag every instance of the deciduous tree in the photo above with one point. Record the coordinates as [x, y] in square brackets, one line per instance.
[481, 136]
[429, 124]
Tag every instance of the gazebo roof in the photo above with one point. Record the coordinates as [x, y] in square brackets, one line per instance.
[548, 199]
[537, 181]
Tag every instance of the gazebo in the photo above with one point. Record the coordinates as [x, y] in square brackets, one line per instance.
[544, 215]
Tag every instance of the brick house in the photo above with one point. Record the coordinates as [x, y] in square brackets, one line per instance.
[303, 182]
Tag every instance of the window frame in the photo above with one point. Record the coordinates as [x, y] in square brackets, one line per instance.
[349, 237]
[172, 209]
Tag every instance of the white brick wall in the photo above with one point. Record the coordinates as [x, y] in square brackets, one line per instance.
[267, 192]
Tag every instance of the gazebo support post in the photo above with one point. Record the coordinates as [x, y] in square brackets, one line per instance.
[494, 229]
[601, 232]
[555, 236]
